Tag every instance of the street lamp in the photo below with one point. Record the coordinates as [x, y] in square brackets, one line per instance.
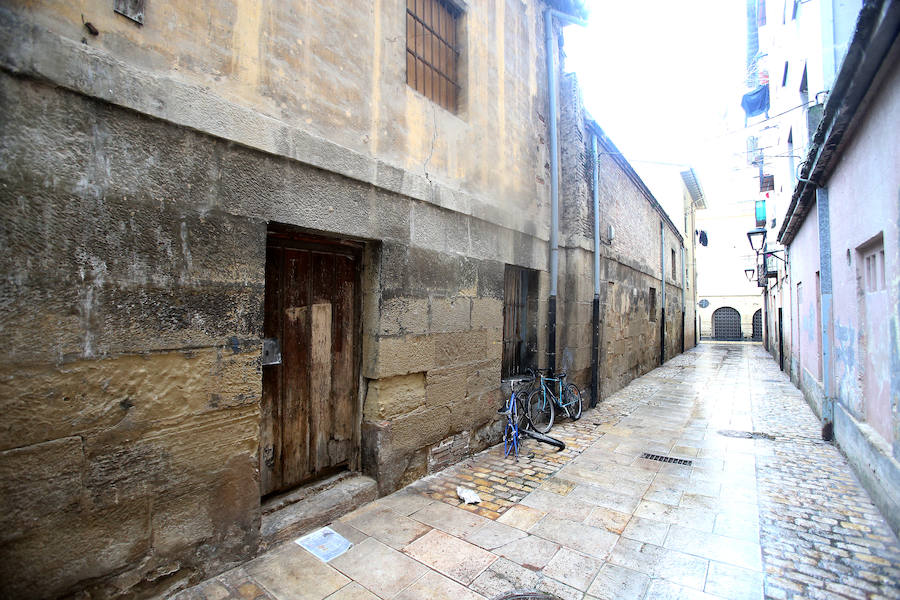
[757, 238]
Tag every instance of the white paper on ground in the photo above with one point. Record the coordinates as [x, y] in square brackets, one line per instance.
[324, 544]
[468, 496]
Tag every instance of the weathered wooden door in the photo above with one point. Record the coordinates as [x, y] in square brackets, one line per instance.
[309, 400]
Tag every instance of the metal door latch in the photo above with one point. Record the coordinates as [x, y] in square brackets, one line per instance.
[271, 352]
[269, 456]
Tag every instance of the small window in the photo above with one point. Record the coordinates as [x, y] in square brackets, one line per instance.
[431, 50]
[766, 183]
[674, 270]
[875, 277]
[870, 265]
[652, 304]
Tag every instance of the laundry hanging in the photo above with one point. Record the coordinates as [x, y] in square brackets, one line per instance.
[756, 102]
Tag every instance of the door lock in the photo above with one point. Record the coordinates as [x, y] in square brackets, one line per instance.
[271, 352]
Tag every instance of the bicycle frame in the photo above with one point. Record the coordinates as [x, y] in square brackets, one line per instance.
[511, 435]
[557, 397]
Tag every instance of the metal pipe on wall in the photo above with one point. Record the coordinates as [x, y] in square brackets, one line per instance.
[826, 291]
[662, 264]
[549, 41]
[683, 305]
[595, 343]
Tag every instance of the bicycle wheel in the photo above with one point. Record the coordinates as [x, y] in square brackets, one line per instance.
[522, 419]
[540, 411]
[573, 402]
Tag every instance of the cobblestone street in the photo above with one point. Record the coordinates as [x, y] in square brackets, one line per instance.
[761, 507]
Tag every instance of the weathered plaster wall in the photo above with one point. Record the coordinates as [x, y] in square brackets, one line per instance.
[337, 71]
[866, 324]
[804, 335]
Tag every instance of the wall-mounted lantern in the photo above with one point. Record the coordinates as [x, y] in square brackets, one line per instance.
[757, 238]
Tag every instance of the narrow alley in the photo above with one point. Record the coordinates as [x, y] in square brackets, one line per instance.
[756, 506]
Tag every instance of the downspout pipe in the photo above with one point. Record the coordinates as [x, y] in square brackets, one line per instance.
[662, 320]
[595, 345]
[683, 305]
[825, 284]
[550, 41]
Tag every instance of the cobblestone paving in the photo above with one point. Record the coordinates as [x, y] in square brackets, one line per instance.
[821, 536]
[778, 515]
[502, 481]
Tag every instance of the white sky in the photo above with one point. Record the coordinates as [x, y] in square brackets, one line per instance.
[664, 80]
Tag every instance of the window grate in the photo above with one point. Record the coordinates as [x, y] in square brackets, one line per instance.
[431, 50]
[667, 459]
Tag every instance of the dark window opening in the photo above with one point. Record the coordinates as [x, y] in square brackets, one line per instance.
[520, 300]
[431, 50]
[674, 266]
[652, 304]
[767, 183]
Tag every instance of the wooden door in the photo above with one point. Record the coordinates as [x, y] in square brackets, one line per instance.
[309, 400]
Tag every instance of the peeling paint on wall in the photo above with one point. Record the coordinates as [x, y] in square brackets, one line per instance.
[845, 358]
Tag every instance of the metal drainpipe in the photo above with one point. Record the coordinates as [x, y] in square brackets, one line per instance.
[550, 40]
[683, 305]
[825, 283]
[595, 345]
[662, 320]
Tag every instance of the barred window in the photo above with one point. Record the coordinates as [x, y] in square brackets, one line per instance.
[431, 52]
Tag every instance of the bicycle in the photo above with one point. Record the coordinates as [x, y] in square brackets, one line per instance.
[541, 401]
[518, 423]
[516, 420]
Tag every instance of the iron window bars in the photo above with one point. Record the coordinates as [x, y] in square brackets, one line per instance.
[431, 51]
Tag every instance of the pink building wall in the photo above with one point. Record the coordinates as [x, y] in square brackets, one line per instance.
[864, 196]
[805, 349]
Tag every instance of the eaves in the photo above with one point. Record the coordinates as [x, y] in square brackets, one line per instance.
[877, 29]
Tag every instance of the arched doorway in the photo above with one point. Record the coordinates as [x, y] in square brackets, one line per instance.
[757, 325]
[726, 324]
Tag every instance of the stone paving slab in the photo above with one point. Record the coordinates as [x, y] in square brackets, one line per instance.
[780, 516]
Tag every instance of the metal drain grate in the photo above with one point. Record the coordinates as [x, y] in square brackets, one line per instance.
[667, 459]
[525, 595]
[748, 435]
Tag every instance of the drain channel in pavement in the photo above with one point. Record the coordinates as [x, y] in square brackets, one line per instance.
[749, 435]
[667, 459]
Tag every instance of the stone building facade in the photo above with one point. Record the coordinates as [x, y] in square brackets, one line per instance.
[243, 255]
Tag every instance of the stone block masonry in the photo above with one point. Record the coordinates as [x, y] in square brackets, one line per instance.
[136, 255]
[143, 178]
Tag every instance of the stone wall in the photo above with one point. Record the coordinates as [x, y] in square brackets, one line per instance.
[745, 305]
[135, 252]
[140, 174]
[631, 263]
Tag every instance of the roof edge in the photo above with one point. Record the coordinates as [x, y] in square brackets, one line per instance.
[876, 33]
[619, 158]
